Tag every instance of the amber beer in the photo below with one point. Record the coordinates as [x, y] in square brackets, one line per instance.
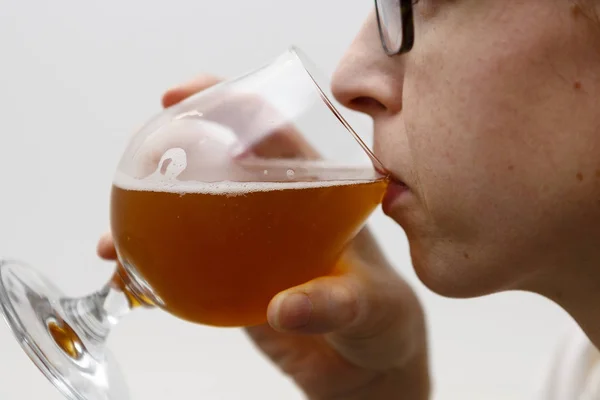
[217, 253]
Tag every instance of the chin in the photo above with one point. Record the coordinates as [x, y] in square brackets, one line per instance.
[451, 265]
[449, 273]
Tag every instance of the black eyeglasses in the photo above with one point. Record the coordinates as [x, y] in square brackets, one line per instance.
[396, 25]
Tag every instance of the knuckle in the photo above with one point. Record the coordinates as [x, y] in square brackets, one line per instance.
[345, 301]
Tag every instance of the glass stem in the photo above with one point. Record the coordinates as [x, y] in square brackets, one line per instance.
[89, 320]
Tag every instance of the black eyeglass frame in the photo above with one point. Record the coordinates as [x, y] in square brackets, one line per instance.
[408, 27]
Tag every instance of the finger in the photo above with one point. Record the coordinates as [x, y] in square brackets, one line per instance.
[371, 317]
[181, 92]
[320, 306]
[279, 142]
[284, 143]
[106, 247]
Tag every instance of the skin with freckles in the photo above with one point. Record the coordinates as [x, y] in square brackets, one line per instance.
[492, 121]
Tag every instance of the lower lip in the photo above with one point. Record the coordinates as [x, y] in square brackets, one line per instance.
[394, 193]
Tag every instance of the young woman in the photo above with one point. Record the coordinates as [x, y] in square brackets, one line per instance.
[489, 113]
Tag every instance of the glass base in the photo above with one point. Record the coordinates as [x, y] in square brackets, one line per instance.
[34, 309]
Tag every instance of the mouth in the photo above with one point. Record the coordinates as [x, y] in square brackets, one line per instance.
[395, 192]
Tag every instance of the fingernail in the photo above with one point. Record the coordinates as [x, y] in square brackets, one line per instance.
[292, 311]
[179, 86]
[106, 237]
[183, 85]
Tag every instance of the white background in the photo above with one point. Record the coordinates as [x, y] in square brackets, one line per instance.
[77, 77]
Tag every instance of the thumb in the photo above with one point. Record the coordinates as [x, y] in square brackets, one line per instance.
[369, 316]
[321, 306]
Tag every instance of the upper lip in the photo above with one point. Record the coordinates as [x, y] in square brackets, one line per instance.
[394, 178]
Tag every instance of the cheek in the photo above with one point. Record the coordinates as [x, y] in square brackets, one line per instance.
[491, 137]
[460, 160]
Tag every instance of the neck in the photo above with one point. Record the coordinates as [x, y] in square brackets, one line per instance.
[577, 291]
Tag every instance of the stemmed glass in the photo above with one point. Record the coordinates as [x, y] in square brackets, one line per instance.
[246, 189]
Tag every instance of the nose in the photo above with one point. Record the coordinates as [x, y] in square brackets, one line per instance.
[367, 80]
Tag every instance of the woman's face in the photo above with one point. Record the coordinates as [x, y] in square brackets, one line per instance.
[493, 122]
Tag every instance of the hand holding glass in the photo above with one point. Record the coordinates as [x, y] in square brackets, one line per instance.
[239, 192]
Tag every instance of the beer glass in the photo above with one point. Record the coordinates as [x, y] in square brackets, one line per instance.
[220, 202]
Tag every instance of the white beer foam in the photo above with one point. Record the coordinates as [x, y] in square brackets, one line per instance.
[125, 182]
